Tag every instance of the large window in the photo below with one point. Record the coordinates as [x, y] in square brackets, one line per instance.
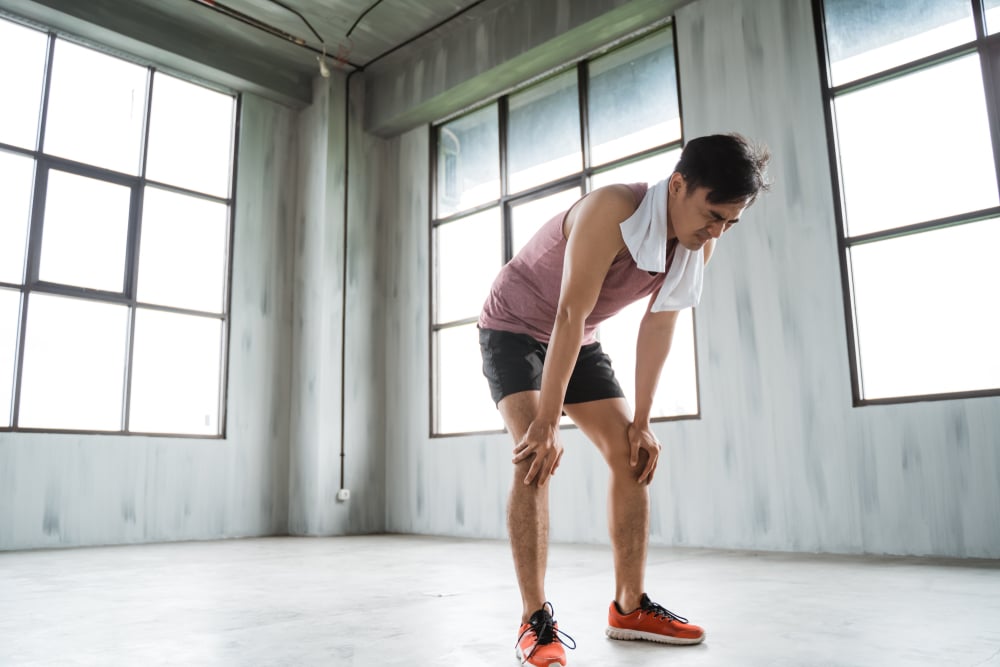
[504, 169]
[913, 91]
[115, 226]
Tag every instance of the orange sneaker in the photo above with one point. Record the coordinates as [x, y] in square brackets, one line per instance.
[652, 623]
[540, 641]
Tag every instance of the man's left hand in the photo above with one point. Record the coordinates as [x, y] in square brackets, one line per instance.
[642, 438]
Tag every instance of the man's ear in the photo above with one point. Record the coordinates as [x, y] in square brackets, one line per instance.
[677, 183]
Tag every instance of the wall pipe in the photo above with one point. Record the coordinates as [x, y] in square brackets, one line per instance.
[347, 161]
[298, 41]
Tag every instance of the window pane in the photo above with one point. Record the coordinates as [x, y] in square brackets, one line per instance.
[21, 83]
[868, 37]
[190, 136]
[916, 148]
[677, 392]
[633, 99]
[10, 303]
[16, 174]
[992, 16]
[463, 395]
[652, 170]
[527, 218]
[74, 364]
[926, 309]
[468, 254]
[85, 232]
[175, 374]
[96, 106]
[182, 255]
[468, 167]
[544, 134]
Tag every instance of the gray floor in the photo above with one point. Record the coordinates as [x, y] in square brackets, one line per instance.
[400, 600]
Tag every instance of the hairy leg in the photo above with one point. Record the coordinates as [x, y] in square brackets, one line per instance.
[605, 423]
[527, 509]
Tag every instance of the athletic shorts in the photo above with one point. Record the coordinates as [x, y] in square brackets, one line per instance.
[513, 362]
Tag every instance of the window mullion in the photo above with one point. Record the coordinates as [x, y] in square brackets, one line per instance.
[46, 86]
[979, 18]
[508, 241]
[35, 224]
[583, 90]
[19, 360]
[989, 59]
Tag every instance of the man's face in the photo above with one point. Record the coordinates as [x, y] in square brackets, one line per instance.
[695, 220]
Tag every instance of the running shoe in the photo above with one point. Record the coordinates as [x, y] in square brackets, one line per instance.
[652, 622]
[540, 641]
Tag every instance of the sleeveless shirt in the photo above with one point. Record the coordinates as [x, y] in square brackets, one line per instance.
[525, 295]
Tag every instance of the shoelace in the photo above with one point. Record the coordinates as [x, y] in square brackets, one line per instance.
[658, 610]
[546, 632]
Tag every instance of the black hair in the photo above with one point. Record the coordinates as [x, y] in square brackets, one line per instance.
[731, 167]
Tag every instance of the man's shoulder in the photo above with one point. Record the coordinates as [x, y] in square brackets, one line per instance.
[617, 196]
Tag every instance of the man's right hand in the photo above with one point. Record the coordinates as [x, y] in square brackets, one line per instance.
[540, 441]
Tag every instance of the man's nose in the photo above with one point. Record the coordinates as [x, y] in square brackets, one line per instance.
[715, 230]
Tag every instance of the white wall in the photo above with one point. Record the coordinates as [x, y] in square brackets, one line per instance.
[319, 357]
[779, 460]
[73, 490]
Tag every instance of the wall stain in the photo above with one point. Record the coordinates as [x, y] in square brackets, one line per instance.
[911, 454]
[754, 50]
[128, 510]
[960, 432]
[50, 516]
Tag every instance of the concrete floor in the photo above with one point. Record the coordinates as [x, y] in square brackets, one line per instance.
[403, 600]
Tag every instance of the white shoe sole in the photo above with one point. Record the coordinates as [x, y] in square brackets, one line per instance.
[629, 635]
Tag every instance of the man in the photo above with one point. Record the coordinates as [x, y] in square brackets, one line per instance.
[537, 333]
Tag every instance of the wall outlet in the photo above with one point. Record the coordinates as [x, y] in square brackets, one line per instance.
[344, 494]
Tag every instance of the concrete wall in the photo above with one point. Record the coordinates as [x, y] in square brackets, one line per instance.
[278, 470]
[779, 460]
[296, 273]
[496, 46]
[73, 490]
[319, 354]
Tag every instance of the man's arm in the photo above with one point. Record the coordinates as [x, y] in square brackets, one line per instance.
[656, 333]
[594, 238]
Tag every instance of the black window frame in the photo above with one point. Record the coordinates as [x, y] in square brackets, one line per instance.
[987, 47]
[45, 163]
[507, 200]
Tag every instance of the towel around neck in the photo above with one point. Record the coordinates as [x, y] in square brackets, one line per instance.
[645, 234]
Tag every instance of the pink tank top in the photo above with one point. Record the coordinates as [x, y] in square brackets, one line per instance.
[525, 295]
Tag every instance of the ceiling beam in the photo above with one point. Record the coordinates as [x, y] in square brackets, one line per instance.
[185, 47]
[496, 50]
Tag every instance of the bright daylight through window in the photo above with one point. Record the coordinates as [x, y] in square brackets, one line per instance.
[631, 132]
[115, 219]
[913, 96]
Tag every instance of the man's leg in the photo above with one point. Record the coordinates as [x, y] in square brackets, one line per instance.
[605, 422]
[527, 509]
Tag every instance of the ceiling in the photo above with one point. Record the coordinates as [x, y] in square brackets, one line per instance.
[253, 41]
[388, 24]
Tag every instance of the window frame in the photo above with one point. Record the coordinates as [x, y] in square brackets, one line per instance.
[507, 201]
[43, 164]
[987, 47]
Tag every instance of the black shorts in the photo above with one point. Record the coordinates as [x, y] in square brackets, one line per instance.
[513, 362]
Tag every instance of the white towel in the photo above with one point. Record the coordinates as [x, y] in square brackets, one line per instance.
[645, 234]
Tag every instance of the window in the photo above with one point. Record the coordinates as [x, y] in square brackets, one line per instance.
[912, 109]
[115, 224]
[504, 169]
